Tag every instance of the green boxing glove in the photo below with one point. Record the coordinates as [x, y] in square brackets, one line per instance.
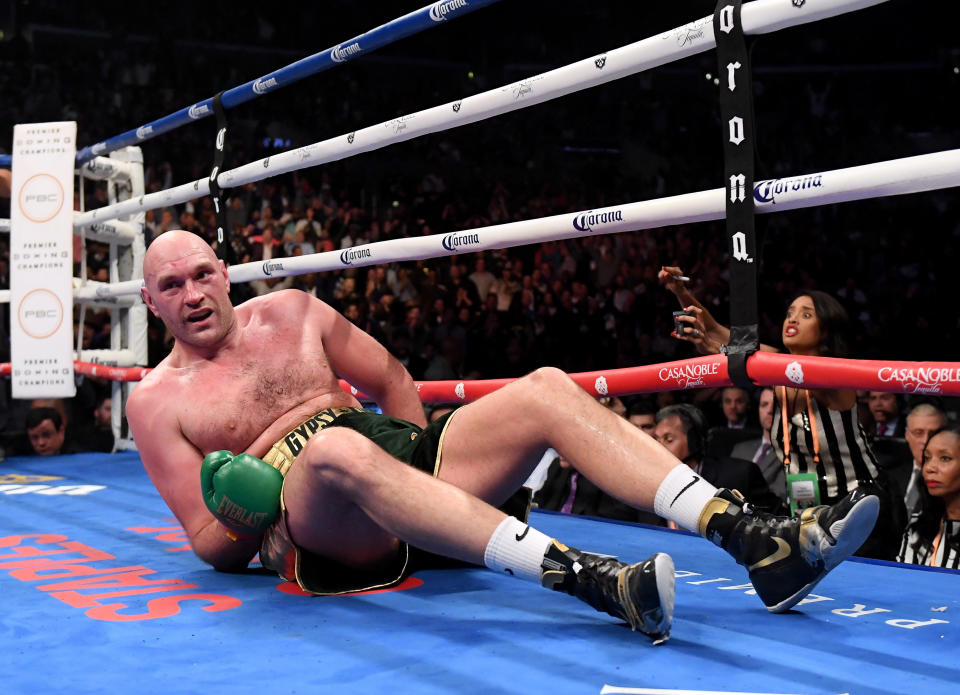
[242, 491]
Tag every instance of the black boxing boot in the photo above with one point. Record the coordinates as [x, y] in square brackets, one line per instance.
[641, 594]
[786, 557]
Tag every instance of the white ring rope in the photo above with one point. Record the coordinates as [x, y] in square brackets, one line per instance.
[759, 17]
[894, 177]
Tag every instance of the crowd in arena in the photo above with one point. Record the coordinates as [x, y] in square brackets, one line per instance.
[581, 304]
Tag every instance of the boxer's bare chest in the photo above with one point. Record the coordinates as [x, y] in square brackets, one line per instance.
[228, 402]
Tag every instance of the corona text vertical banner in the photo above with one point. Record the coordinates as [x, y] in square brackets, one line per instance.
[41, 260]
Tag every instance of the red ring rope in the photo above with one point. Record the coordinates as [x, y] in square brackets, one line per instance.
[764, 368]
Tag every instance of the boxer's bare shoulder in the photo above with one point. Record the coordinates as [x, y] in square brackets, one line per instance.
[274, 374]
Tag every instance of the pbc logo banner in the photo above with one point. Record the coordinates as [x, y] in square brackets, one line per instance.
[41, 259]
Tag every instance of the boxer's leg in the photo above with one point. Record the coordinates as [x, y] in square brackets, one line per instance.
[347, 499]
[491, 445]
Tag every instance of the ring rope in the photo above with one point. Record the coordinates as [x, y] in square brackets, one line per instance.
[894, 177]
[761, 16]
[402, 27]
[764, 368]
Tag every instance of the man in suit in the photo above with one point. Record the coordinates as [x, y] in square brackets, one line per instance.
[886, 412]
[565, 490]
[735, 402]
[682, 429]
[760, 450]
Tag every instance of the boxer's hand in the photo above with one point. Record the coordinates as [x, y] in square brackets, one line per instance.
[242, 491]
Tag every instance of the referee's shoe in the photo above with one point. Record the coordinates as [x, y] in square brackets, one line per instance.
[785, 556]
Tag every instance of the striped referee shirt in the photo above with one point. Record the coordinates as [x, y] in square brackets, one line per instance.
[845, 455]
[918, 550]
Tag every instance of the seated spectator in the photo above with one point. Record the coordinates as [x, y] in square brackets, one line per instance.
[736, 405]
[682, 429]
[933, 535]
[642, 413]
[736, 427]
[922, 420]
[98, 435]
[885, 409]
[760, 450]
[47, 432]
[566, 491]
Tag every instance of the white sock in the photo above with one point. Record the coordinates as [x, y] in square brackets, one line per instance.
[682, 496]
[517, 549]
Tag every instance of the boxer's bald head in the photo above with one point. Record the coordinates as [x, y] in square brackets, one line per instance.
[188, 288]
[174, 245]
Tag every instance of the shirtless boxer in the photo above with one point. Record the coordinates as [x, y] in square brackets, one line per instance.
[261, 379]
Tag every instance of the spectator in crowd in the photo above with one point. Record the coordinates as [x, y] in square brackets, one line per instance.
[736, 405]
[885, 409]
[642, 413]
[933, 536]
[505, 288]
[760, 451]
[682, 429]
[817, 435]
[98, 434]
[567, 491]
[922, 420]
[47, 432]
[481, 278]
[266, 246]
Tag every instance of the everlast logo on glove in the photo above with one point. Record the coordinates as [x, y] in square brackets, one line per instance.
[232, 513]
[242, 492]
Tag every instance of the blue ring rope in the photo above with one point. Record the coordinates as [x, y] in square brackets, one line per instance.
[412, 23]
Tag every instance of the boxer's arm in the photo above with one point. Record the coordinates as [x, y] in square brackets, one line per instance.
[173, 465]
[366, 364]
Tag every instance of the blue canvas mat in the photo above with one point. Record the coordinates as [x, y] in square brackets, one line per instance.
[100, 591]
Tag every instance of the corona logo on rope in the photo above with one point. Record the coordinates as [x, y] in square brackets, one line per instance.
[440, 10]
[198, 111]
[600, 385]
[143, 131]
[340, 53]
[794, 372]
[767, 191]
[920, 379]
[40, 313]
[269, 266]
[453, 242]
[262, 86]
[348, 256]
[41, 198]
[460, 391]
[687, 376]
[584, 222]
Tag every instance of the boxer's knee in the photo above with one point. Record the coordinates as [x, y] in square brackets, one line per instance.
[339, 458]
[549, 388]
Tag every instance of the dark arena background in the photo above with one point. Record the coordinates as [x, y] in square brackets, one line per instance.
[100, 590]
